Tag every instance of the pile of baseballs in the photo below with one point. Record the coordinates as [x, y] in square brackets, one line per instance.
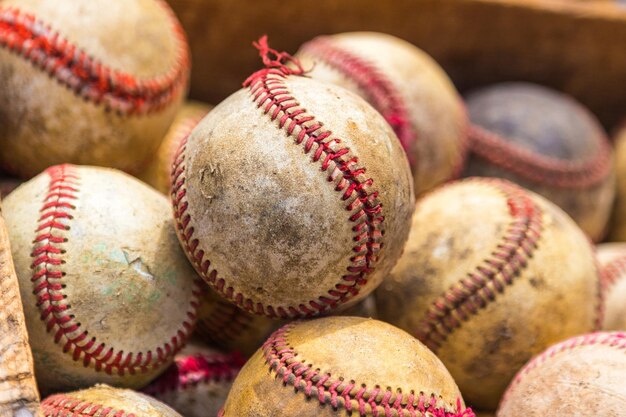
[344, 236]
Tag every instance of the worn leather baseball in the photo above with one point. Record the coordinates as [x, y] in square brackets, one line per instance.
[293, 197]
[159, 170]
[94, 82]
[197, 383]
[612, 259]
[340, 366]
[407, 87]
[105, 401]
[548, 143]
[18, 389]
[108, 294]
[582, 376]
[223, 324]
[617, 230]
[491, 275]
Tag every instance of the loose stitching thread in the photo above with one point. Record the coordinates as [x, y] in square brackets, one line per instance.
[45, 48]
[270, 94]
[60, 405]
[492, 275]
[615, 340]
[540, 168]
[47, 280]
[193, 370]
[341, 392]
[372, 81]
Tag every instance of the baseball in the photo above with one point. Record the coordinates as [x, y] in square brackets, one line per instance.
[105, 401]
[197, 384]
[407, 87]
[617, 230]
[583, 376]
[108, 294]
[223, 324]
[612, 259]
[18, 389]
[488, 289]
[94, 82]
[293, 197]
[339, 366]
[548, 143]
[159, 170]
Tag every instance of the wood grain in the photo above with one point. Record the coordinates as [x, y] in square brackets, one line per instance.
[18, 389]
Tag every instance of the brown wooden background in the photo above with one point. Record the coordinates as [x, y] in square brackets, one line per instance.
[577, 46]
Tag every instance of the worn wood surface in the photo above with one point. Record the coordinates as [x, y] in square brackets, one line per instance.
[573, 45]
[18, 390]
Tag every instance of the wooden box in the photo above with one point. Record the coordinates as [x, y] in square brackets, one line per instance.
[575, 46]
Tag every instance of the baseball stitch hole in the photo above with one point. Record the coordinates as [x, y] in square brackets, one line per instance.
[23, 34]
[56, 312]
[269, 92]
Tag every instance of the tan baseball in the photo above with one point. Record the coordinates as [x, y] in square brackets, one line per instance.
[293, 197]
[612, 259]
[198, 382]
[108, 294]
[105, 401]
[491, 275]
[582, 376]
[343, 366]
[88, 82]
[159, 170]
[407, 87]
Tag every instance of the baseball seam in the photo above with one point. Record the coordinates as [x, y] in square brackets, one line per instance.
[61, 405]
[378, 88]
[481, 285]
[380, 92]
[615, 340]
[194, 370]
[270, 94]
[538, 168]
[341, 392]
[47, 279]
[45, 48]
[225, 323]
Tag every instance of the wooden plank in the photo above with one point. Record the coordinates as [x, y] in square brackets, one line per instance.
[573, 45]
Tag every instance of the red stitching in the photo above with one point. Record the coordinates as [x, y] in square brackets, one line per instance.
[538, 168]
[193, 370]
[344, 393]
[379, 90]
[615, 340]
[225, 323]
[47, 279]
[63, 405]
[612, 272]
[45, 48]
[492, 275]
[270, 94]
